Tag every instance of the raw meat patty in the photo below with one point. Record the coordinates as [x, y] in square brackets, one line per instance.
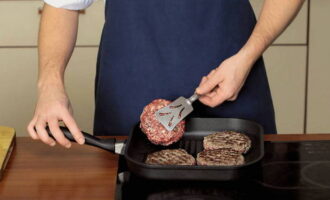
[227, 139]
[220, 157]
[170, 157]
[154, 130]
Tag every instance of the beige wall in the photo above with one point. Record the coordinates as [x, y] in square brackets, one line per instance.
[297, 66]
[318, 102]
[18, 63]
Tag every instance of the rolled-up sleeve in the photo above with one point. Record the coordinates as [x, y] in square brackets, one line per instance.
[70, 4]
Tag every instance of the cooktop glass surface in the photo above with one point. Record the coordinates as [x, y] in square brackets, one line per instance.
[290, 170]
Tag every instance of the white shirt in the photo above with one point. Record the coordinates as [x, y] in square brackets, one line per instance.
[70, 4]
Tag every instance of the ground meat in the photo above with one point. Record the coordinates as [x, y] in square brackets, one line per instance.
[227, 139]
[154, 130]
[170, 157]
[220, 157]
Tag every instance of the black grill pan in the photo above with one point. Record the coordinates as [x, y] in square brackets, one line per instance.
[138, 147]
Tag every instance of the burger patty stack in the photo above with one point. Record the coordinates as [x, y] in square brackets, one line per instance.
[220, 149]
[224, 149]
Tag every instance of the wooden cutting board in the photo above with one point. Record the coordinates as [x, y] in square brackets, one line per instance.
[7, 141]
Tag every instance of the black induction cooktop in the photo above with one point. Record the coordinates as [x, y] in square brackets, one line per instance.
[290, 170]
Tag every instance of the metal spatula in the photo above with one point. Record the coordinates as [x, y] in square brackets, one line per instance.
[175, 112]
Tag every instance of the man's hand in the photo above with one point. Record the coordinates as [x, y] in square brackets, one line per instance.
[52, 107]
[224, 83]
[57, 36]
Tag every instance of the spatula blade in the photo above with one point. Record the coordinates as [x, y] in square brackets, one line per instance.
[174, 113]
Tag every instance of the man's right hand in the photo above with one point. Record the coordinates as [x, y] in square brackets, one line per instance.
[52, 107]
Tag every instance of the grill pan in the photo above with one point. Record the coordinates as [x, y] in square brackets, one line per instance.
[138, 147]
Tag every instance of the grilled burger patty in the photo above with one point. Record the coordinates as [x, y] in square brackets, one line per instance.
[170, 157]
[227, 139]
[220, 157]
[154, 130]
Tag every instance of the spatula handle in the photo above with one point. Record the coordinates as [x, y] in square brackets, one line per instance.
[193, 98]
[106, 144]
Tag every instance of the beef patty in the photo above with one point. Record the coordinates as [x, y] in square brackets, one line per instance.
[170, 157]
[227, 139]
[220, 157]
[154, 130]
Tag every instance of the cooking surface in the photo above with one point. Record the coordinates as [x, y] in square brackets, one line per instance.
[36, 171]
[297, 171]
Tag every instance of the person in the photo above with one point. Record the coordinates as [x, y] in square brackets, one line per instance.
[161, 49]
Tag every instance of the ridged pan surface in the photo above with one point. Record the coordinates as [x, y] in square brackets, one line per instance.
[138, 147]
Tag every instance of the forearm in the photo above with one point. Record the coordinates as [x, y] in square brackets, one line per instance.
[275, 16]
[57, 37]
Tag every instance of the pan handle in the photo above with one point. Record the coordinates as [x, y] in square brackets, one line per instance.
[106, 144]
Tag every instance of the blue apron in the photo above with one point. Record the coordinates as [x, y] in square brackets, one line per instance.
[161, 49]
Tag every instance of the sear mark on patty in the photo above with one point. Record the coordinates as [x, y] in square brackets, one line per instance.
[220, 157]
[170, 157]
[227, 139]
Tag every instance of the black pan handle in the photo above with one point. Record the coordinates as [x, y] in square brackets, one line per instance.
[106, 144]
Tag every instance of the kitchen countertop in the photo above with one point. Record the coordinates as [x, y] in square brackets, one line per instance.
[37, 171]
